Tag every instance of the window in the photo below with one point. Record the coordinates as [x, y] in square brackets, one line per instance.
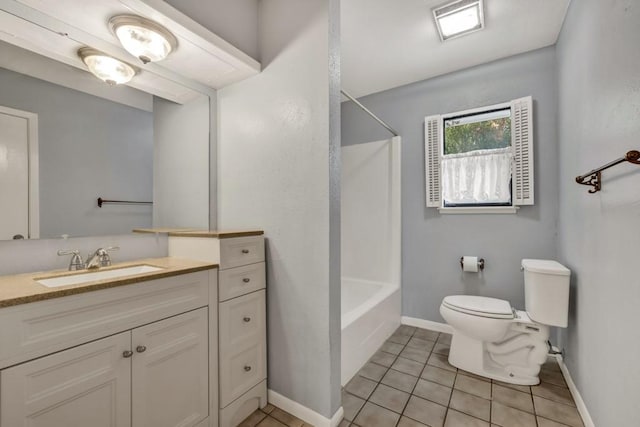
[480, 160]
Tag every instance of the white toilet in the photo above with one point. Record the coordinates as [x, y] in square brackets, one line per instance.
[492, 339]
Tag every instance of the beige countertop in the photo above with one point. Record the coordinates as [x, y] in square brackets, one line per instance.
[22, 288]
[220, 234]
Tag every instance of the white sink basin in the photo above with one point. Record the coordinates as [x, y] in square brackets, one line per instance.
[91, 276]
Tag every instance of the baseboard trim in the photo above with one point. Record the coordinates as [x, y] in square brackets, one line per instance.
[426, 324]
[580, 405]
[305, 414]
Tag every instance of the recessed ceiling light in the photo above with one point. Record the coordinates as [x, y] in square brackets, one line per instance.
[144, 39]
[105, 67]
[458, 18]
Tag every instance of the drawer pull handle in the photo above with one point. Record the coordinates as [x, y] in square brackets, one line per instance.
[247, 368]
[245, 251]
[141, 349]
[246, 280]
[127, 354]
[247, 319]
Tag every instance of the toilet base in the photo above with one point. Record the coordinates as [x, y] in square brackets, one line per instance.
[515, 360]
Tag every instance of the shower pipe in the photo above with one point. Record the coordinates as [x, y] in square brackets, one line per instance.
[366, 110]
[594, 177]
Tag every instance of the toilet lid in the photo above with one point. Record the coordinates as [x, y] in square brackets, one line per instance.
[480, 306]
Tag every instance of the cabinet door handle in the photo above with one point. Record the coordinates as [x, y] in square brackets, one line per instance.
[246, 280]
[245, 251]
[141, 349]
[247, 368]
[127, 354]
[247, 319]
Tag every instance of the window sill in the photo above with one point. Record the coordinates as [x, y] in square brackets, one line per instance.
[479, 210]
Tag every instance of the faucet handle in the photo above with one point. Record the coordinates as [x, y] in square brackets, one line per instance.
[105, 259]
[76, 262]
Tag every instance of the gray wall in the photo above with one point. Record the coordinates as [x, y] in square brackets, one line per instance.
[599, 121]
[432, 244]
[236, 21]
[279, 170]
[89, 147]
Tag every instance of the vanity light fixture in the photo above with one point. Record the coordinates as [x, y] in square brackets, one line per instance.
[106, 68]
[144, 39]
[459, 18]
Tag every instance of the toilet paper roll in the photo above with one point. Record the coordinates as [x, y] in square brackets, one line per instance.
[470, 264]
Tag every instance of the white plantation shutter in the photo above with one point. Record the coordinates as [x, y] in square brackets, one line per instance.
[522, 143]
[432, 148]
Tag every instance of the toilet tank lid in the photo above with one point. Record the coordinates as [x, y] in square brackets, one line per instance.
[545, 266]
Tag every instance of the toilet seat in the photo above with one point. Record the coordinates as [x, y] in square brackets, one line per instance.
[492, 308]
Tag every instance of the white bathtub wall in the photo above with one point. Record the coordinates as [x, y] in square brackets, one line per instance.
[371, 223]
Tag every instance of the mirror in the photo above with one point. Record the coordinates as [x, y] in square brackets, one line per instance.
[67, 139]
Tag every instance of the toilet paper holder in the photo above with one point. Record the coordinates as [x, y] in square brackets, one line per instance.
[480, 263]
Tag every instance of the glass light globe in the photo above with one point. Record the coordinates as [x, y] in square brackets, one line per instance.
[106, 68]
[142, 38]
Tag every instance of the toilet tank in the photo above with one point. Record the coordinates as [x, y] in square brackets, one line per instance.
[546, 291]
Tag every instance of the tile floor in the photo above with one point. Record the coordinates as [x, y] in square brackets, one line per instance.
[409, 383]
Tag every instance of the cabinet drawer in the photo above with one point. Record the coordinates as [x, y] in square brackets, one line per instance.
[238, 281]
[242, 346]
[241, 251]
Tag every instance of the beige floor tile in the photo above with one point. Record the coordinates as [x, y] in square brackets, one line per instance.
[552, 377]
[383, 358]
[441, 349]
[420, 344]
[399, 339]
[472, 375]
[351, 405]
[360, 386]
[408, 422]
[408, 366]
[405, 330]
[550, 365]
[399, 380]
[440, 361]
[553, 392]
[253, 419]
[376, 416]
[543, 422]
[433, 391]
[471, 405]
[444, 339]
[415, 354]
[426, 412]
[505, 416]
[286, 418]
[425, 334]
[344, 423]
[473, 386]
[270, 422]
[558, 412]
[391, 347]
[389, 398]
[439, 375]
[372, 371]
[512, 398]
[268, 408]
[458, 419]
[522, 388]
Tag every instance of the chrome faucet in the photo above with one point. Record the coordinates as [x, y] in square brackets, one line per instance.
[100, 258]
[76, 262]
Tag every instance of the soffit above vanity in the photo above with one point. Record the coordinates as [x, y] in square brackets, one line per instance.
[202, 61]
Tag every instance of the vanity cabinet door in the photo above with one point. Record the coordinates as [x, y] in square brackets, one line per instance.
[88, 385]
[170, 371]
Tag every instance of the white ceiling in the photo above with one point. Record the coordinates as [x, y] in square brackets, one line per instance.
[390, 43]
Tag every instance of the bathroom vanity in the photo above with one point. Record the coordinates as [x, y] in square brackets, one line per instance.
[178, 346]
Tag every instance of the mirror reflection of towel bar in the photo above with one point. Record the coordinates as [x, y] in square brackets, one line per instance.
[102, 201]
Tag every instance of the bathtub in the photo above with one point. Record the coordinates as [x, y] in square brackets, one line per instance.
[370, 314]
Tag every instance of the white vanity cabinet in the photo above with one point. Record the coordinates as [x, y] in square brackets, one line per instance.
[145, 369]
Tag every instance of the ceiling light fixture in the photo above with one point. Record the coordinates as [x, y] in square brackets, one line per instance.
[144, 39]
[105, 67]
[459, 18]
